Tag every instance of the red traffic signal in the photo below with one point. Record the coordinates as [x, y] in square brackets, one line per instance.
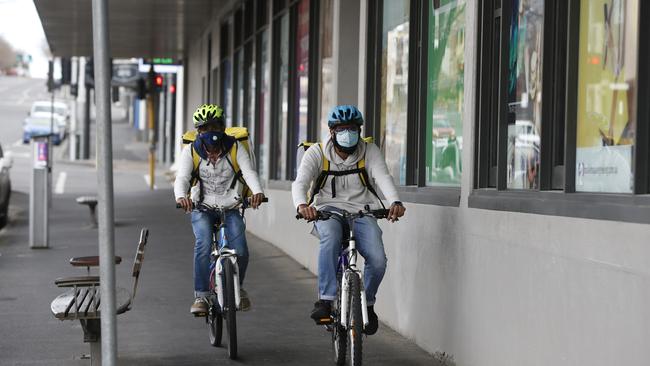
[172, 88]
[158, 80]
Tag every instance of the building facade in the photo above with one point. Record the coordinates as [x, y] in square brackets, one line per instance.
[510, 127]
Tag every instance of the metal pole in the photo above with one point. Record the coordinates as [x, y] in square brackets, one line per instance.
[105, 183]
[152, 137]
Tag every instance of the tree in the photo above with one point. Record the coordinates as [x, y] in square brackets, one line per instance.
[7, 54]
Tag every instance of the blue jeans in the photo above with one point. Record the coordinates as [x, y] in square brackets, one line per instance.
[368, 243]
[203, 226]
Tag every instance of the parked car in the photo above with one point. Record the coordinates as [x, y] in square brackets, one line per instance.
[38, 126]
[5, 186]
[60, 110]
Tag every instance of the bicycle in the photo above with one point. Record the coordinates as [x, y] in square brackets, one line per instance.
[224, 283]
[349, 315]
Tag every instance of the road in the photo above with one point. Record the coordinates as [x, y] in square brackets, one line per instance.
[159, 329]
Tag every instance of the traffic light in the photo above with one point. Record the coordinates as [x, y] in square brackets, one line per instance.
[158, 83]
[50, 76]
[66, 71]
[141, 88]
[172, 89]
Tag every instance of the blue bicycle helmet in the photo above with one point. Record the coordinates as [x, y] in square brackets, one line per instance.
[343, 115]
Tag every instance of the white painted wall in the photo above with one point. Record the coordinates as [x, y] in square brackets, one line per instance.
[496, 288]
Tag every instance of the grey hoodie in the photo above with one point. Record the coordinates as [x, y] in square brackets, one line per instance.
[351, 195]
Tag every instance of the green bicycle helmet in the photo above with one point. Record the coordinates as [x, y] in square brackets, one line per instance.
[208, 113]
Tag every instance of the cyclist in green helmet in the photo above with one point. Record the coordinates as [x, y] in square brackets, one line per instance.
[206, 174]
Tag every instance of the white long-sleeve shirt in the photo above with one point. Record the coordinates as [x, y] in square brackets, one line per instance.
[351, 195]
[215, 178]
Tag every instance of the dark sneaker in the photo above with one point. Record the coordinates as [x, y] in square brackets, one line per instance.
[322, 311]
[199, 307]
[245, 303]
[373, 322]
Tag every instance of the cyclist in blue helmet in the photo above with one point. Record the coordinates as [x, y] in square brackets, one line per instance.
[341, 171]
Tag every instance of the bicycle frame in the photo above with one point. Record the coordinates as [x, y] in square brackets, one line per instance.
[219, 253]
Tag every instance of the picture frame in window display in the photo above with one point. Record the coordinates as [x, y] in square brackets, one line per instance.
[607, 78]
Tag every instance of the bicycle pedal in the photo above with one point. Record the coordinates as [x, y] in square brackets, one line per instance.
[324, 321]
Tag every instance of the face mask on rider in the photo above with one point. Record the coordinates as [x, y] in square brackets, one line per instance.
[347, 138]
[211, 142]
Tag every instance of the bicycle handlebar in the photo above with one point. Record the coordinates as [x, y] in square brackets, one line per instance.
[248, 199]
[326, 215]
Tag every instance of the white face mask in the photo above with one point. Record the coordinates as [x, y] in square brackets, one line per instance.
[347, 138]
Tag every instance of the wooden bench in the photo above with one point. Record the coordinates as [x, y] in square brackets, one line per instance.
[91, 202]
[82, 301]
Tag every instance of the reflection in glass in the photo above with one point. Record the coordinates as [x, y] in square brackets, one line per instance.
[327, 67]
[444, 129]
[525, 93]
[239, 96]
[302, 77]
[394, 86]
[280, 145]
[249, 99]
[264, 106]
[607, 96]
[226, 90]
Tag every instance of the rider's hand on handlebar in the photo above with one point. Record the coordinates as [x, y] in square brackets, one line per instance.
[307, 212]
[185, 203]
[396, 211]
[256, 200]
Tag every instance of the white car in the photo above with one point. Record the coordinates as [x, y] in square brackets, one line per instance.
[61, 111]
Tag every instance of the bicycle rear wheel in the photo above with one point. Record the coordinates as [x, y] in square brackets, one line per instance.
[339, 336]
[355, 331]
[230, 308]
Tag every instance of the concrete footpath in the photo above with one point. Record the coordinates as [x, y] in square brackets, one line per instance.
[159, 329]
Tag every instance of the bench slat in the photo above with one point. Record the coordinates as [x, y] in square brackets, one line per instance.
[87, 309]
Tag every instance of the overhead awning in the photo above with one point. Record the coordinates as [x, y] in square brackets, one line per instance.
[138, 28]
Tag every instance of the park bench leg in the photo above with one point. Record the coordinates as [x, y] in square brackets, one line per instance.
[92, 334]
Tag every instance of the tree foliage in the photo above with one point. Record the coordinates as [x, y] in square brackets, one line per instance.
[7, 54]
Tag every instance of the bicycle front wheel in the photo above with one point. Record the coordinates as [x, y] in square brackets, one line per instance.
[230, 308]
[215, 326]
[355, 331]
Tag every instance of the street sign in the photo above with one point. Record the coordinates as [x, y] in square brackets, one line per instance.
[125, 74]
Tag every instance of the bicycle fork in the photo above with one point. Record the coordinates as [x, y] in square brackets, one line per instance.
[345, 293]
[220, 255]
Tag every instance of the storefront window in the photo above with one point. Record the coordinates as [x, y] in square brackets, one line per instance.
[238, 114]
[607, 80]
[282, 117]
[264, 105]
[394, 86]
[327, 67]
[446, 65]
[524, 90]
[302, 69]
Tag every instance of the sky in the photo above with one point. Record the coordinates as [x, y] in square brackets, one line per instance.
[21, 27]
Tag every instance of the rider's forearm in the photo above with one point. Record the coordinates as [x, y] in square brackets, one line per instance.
[250, 175]
[379, 172]
[307, 172]
[183, 174]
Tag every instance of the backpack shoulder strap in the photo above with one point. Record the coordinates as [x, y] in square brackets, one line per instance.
[365, 179]
[322, 177]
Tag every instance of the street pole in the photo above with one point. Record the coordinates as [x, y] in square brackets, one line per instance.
[105, 183]
[151, 126]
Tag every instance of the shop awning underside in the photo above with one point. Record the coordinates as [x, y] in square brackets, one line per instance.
[138, 28]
